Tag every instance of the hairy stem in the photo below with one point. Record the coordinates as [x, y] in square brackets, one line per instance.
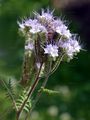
[30, 92]
[40, 92]
[44, 84]
[26, 70]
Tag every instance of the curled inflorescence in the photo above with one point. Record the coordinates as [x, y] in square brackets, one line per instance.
[48, 38]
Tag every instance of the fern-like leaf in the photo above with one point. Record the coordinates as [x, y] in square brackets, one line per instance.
[10, 92]
[49, 92]
[10, 89]
[20, 101]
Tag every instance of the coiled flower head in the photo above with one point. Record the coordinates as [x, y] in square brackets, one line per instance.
[48, 38]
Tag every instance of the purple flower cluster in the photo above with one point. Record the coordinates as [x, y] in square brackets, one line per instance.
[49, 35]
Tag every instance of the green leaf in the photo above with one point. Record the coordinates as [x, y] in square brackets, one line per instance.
[21, 99]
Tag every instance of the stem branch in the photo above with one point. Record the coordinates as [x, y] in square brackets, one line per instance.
[40, 92]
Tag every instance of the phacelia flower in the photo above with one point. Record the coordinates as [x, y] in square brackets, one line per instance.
[37, 28]
[33, 25]
[51, 50]
[61, 28]
[49, 36]
[45, 16]
[70, 47]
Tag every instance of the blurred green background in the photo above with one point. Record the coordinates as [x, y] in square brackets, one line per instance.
[71, 79]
